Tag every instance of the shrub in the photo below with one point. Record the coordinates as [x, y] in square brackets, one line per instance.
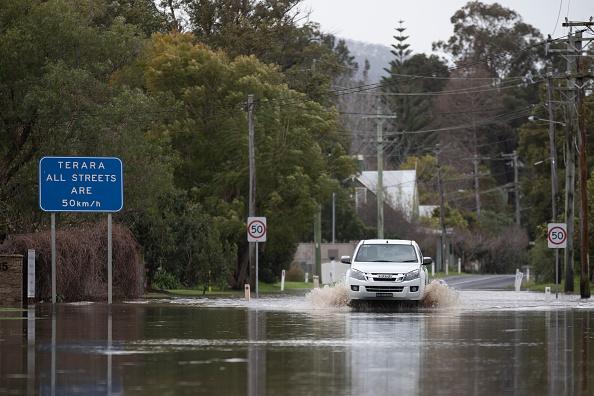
[295, 274]
[165, 280]
[542, 259]
[81, 262]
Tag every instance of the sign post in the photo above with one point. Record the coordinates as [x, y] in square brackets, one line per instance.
[557, 239]
[81, 184]
[256, 232]
[30, 274]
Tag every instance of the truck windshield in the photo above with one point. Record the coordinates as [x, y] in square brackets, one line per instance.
[387, 253]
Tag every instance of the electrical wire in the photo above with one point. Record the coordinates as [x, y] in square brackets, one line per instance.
[558, 16]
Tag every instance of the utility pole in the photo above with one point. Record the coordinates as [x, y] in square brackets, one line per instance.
[380, 171]
[380, 178]
[477, 195]
[553, 160]
[252, 187]
[333, 217]
[318, 241]
[444, 263]
[583, 167]
[576, 128]
[570, 166]
[514, 158]
[516, 187]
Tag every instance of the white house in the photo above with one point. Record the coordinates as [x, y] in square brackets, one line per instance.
[400, 190]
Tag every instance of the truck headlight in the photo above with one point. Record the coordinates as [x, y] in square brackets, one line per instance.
[355, 274]
[411, 275]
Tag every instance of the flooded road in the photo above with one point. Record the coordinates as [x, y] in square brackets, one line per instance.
[475, 342]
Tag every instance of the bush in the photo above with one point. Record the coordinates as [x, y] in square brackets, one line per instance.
[497, 252]
[542, 259]
[186, 243]
[165, 280]
[81, 262]
[295, 274]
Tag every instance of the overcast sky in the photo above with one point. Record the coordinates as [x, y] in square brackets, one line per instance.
[427, 21]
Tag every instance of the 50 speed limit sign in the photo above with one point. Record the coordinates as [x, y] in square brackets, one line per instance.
[256, 229]
[557, 235]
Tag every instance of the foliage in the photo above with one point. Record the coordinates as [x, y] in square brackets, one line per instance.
[275, 33]
[295, 274]
[164, 280]
[56, 62]
[184, 242]
[496, 55]
[502, 252]
[542, 260]
[409, 75]
[495, 35]
[81, 265]
[298, 150]
[349, 226]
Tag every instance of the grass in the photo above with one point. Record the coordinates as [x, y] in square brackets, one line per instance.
[540, 287]
[440, 275]
[262, 288]
[7, 309]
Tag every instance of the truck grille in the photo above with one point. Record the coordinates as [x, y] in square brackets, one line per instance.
[383, 279]
[387, 277]
[387, 289]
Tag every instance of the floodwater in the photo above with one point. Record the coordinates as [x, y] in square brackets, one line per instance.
[459, 343]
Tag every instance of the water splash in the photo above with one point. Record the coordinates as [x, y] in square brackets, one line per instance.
[329, 296]
[439, 295]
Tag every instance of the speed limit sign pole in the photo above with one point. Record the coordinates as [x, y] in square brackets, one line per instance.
[256, 232]
[557, 239]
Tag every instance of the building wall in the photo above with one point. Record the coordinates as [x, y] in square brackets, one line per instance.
[305, 254]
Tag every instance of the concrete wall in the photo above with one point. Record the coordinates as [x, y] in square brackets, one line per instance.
[305, 254]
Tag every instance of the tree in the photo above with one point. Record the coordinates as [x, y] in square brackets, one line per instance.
[56, 99]
[492, 44]
[274, 32]
[298, 150]
[409, 75]
[493, 35]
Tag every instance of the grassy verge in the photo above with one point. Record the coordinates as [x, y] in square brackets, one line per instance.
[262, 288]
[540, 287]
[441, 275]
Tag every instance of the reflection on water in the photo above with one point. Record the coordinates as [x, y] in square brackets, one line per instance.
[490, 343]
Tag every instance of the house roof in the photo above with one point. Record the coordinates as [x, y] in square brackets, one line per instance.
[427, 210]
[400, 188]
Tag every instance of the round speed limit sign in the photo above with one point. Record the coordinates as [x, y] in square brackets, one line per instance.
[557, 235]
[256, 229]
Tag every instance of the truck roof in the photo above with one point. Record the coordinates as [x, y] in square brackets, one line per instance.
[387, 241]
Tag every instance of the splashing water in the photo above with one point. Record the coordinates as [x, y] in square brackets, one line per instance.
[438, 294]
[329, 296]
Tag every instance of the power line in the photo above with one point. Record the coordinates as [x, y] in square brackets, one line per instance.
[558, 15]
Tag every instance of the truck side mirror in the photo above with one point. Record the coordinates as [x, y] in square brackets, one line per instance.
[427, 261]
[345, 259]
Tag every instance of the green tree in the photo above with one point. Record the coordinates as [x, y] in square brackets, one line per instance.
[494, 35]
[298, 149]
[56, 63]
[407, 75]
[182, 240]
[275, 33]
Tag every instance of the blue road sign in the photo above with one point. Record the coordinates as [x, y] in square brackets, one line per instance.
[81, 184]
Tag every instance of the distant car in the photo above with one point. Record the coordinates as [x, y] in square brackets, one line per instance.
[387, 269]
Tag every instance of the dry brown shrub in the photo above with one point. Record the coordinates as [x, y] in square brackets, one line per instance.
[81, 262]
[295, 274]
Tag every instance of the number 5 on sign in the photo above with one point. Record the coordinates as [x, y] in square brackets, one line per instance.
[557, 235]
[256, 229]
